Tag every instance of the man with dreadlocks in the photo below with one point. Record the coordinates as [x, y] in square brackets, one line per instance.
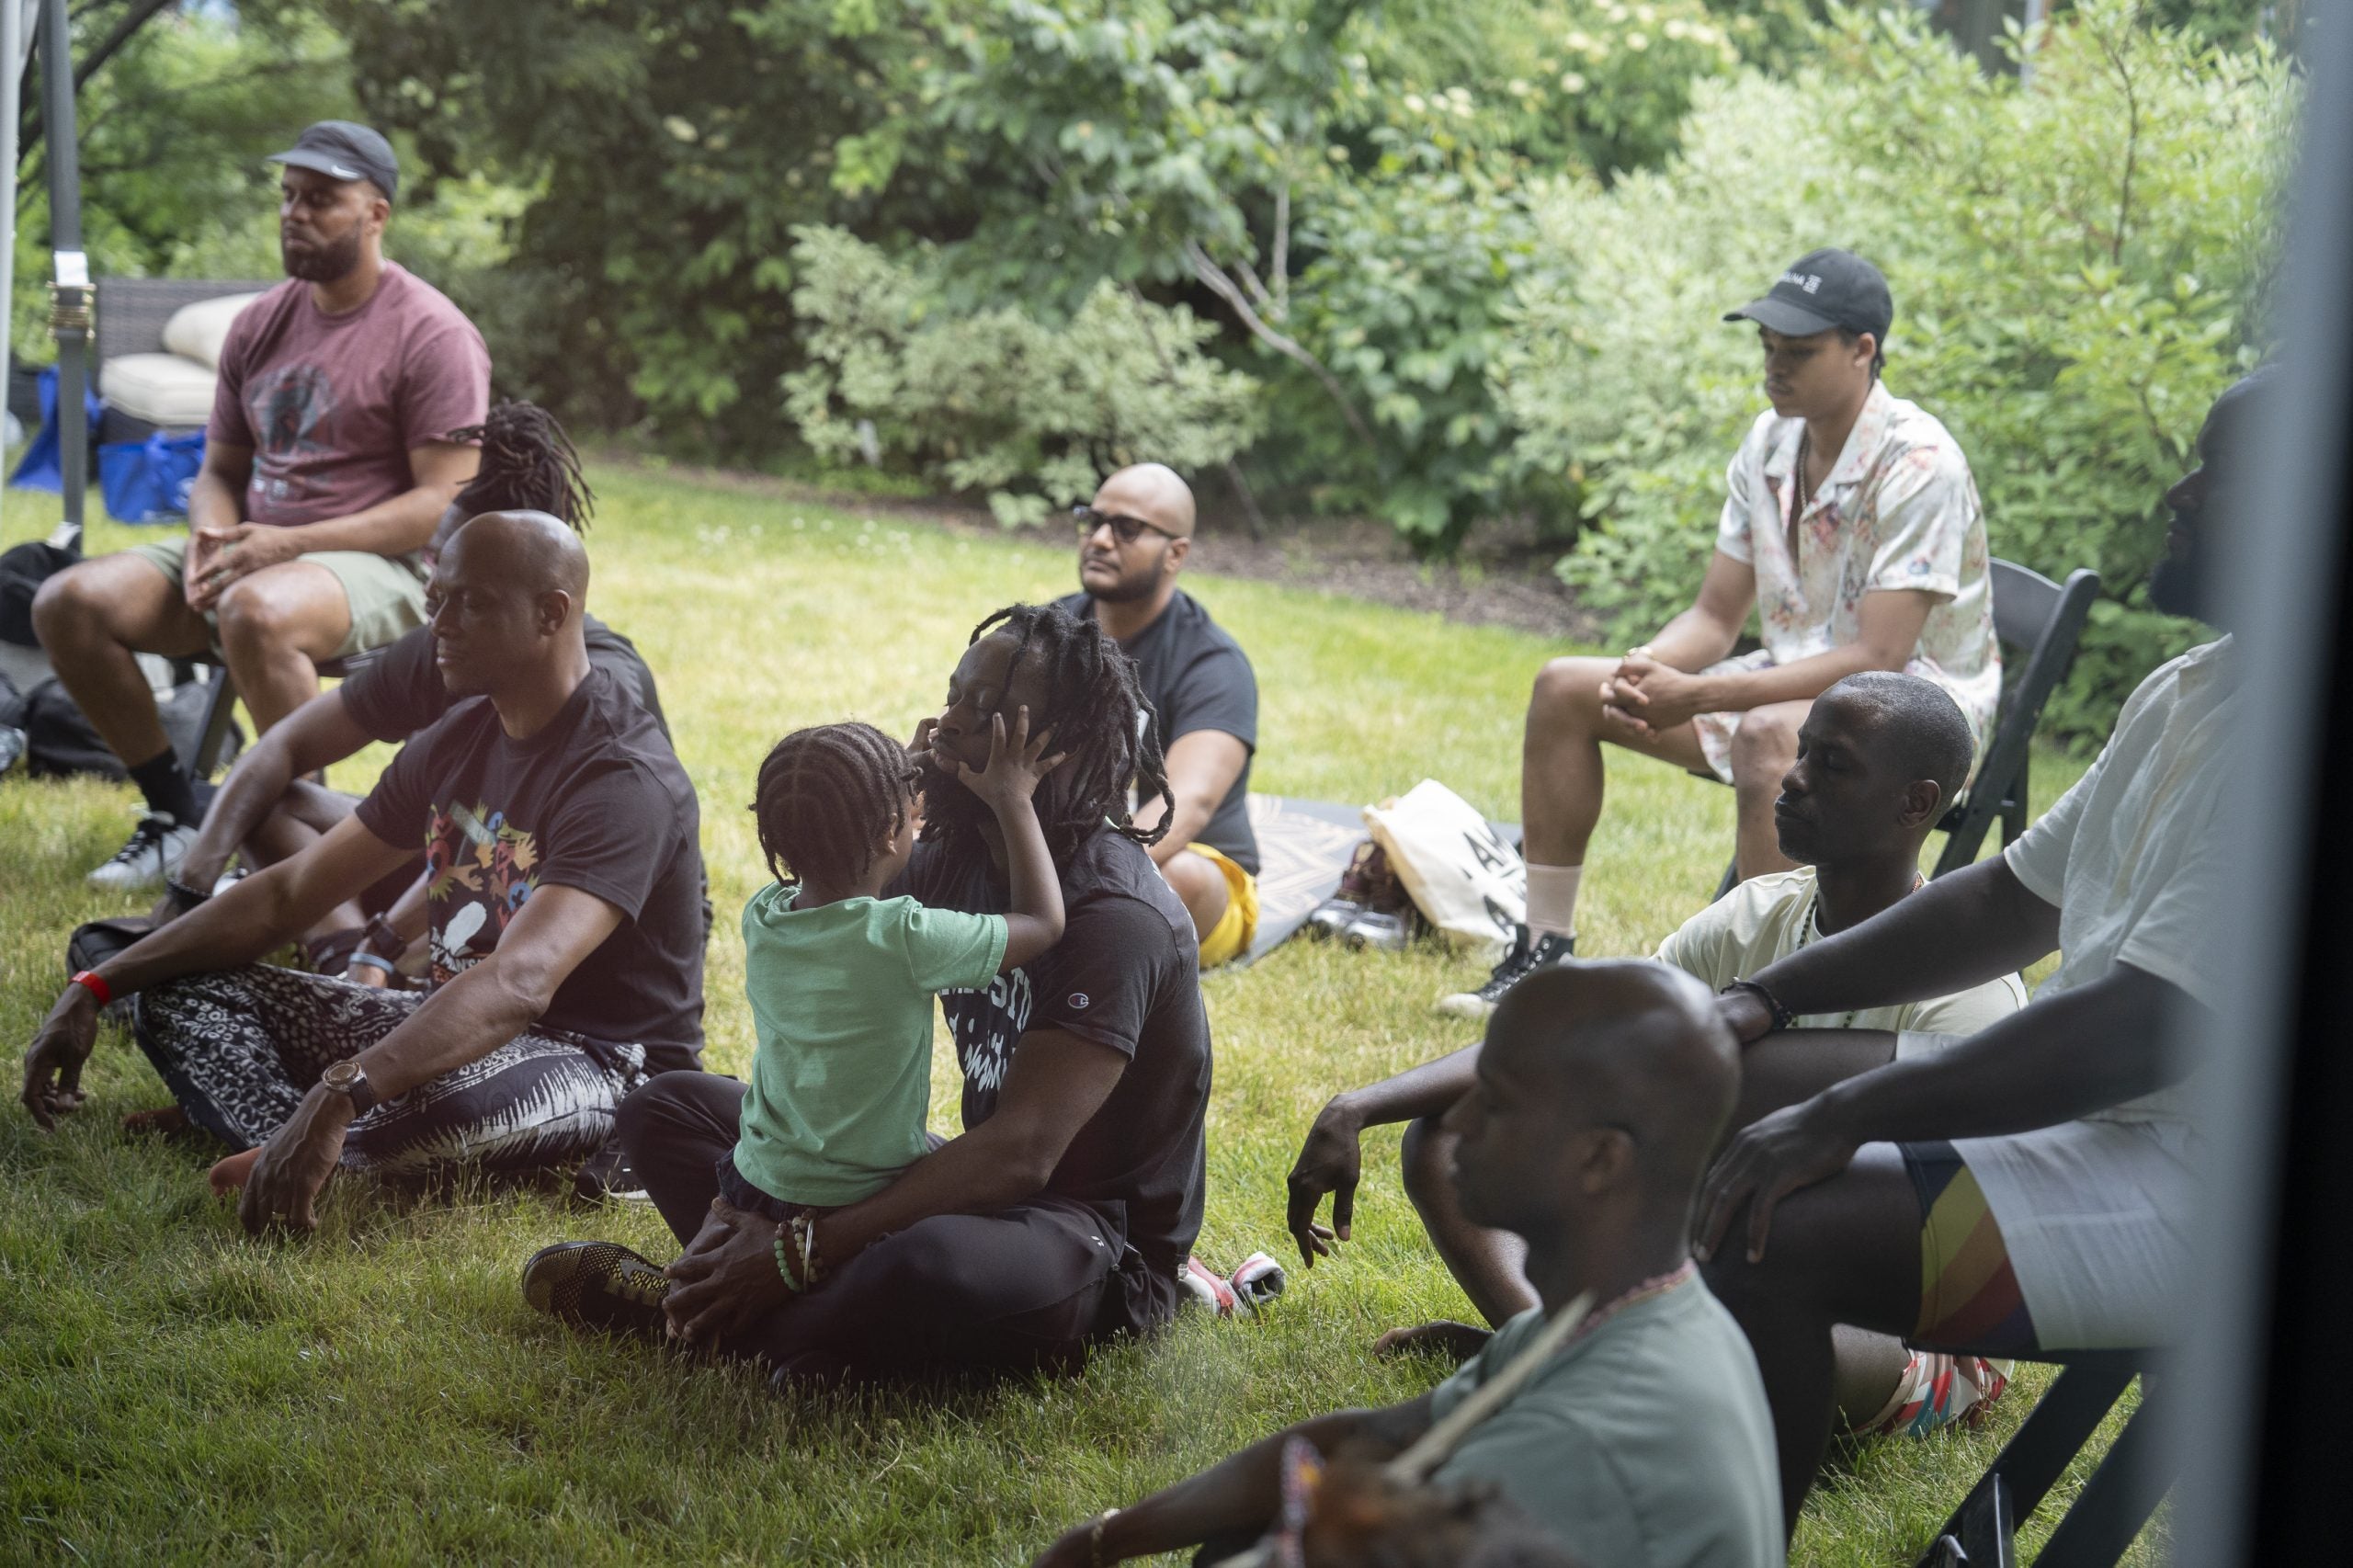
[267, 810]
[325, 462]
[1066, 1210]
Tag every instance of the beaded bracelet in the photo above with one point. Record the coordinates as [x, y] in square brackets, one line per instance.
[183, 892]
[784, 1265]
[1783, 1017]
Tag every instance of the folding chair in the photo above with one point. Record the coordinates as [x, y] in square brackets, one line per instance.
[2131, 1480]
[2043, 621]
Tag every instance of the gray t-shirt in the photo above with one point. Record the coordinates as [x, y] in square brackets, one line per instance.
[1645, 1445]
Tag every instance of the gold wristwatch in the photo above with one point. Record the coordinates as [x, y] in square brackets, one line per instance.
[345, 1078]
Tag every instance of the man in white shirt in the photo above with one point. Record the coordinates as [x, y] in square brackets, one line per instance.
[2029, 1187]
[1851, 527]
[1879, 757]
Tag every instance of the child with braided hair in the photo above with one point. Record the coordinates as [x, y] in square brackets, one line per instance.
[841, 978]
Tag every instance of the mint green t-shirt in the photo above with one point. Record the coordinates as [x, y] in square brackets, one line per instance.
[1645, 1445]
[841, 1000]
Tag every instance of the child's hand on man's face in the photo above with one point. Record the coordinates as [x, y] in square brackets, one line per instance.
[1016, 762]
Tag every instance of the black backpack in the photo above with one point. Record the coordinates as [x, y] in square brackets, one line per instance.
[60, 741]
[23, 568]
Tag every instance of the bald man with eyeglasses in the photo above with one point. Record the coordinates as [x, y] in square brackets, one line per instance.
[1132, 541]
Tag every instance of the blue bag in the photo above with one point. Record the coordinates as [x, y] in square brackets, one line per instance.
[38, 468]
[149, 481]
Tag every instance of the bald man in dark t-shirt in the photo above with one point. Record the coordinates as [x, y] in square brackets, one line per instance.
[565, 905]
[1132, 542]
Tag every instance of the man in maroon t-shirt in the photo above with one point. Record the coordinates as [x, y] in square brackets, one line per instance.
[326, 465]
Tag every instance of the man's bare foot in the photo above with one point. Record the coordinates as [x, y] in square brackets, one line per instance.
[1458, 1341]
[230, 1175]
[166, 1118]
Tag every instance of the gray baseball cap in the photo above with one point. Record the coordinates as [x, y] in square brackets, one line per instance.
[342, 150]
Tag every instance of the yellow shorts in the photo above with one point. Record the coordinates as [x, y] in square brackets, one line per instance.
[1229, 937]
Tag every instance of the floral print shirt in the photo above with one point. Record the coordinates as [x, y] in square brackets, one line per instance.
[1898, 511]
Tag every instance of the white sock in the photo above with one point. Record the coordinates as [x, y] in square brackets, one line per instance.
[1552, 899]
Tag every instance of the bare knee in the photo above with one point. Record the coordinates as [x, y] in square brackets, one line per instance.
[1567, 693]
[69, 610]
[256, 617]
[1764, 745]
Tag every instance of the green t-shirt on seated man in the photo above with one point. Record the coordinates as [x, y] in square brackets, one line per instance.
[841, 1003]
[1645, 1444]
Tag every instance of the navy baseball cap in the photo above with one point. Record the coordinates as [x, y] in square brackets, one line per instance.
[341, 150]
[1821, 289]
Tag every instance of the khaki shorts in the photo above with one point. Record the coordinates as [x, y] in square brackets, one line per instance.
[384, 592]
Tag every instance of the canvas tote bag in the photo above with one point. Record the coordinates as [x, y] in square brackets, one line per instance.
[1467, 882]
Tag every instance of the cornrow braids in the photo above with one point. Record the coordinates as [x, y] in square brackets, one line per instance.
[828, 798]
[1095, 708]
[528, 465]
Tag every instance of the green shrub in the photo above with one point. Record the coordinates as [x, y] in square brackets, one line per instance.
[1028, 414]
[2078, 269]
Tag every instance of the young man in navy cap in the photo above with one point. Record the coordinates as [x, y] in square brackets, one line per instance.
[1852, 529]
[328, 462]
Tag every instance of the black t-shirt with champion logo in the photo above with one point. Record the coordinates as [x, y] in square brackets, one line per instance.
[596, 800]
[1127, 975]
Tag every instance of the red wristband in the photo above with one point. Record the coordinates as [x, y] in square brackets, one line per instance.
[88, 981]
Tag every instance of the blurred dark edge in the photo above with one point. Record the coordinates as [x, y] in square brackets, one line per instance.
[2261, 1438]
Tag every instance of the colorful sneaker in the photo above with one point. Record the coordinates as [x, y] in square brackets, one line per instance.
[154, 851]
[1937, 1389]
[1208, 1288]
[1529, 953]
[1258, 1281]
[599, 1285]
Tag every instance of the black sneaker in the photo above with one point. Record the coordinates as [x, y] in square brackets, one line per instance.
[600, 1285]
[608, 1174]
[1528, 954]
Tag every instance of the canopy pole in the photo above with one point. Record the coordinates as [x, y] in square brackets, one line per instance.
[69, 311]
[12, 83]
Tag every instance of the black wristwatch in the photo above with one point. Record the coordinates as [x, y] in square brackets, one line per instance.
[345, 1078]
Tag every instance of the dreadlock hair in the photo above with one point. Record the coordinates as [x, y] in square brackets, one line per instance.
[1100, 721]
[828, 797]
[528, 465]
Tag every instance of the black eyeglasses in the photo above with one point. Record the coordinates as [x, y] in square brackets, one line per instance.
[1125, 530]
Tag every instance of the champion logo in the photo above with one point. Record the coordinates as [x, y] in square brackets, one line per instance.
[1078, 1000]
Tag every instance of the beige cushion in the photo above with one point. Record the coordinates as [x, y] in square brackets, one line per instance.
[162, 388]
[198, 331]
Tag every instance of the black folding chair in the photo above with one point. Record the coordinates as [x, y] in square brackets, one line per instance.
[2131, 1480]
[2043, 622]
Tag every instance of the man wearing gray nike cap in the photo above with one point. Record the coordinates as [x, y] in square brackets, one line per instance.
[328, 462]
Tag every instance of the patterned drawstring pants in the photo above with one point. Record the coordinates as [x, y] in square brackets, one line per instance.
[240, 1048]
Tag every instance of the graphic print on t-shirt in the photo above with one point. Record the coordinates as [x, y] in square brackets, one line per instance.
[986, 1024]
[480, 869]
[286, 405]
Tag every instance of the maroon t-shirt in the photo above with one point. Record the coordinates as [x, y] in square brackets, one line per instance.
[331, 404]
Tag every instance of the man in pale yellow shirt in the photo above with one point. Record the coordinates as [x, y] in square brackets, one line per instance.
[1881, 756]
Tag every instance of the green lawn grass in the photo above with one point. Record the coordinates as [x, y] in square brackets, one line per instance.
[171, 1389]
